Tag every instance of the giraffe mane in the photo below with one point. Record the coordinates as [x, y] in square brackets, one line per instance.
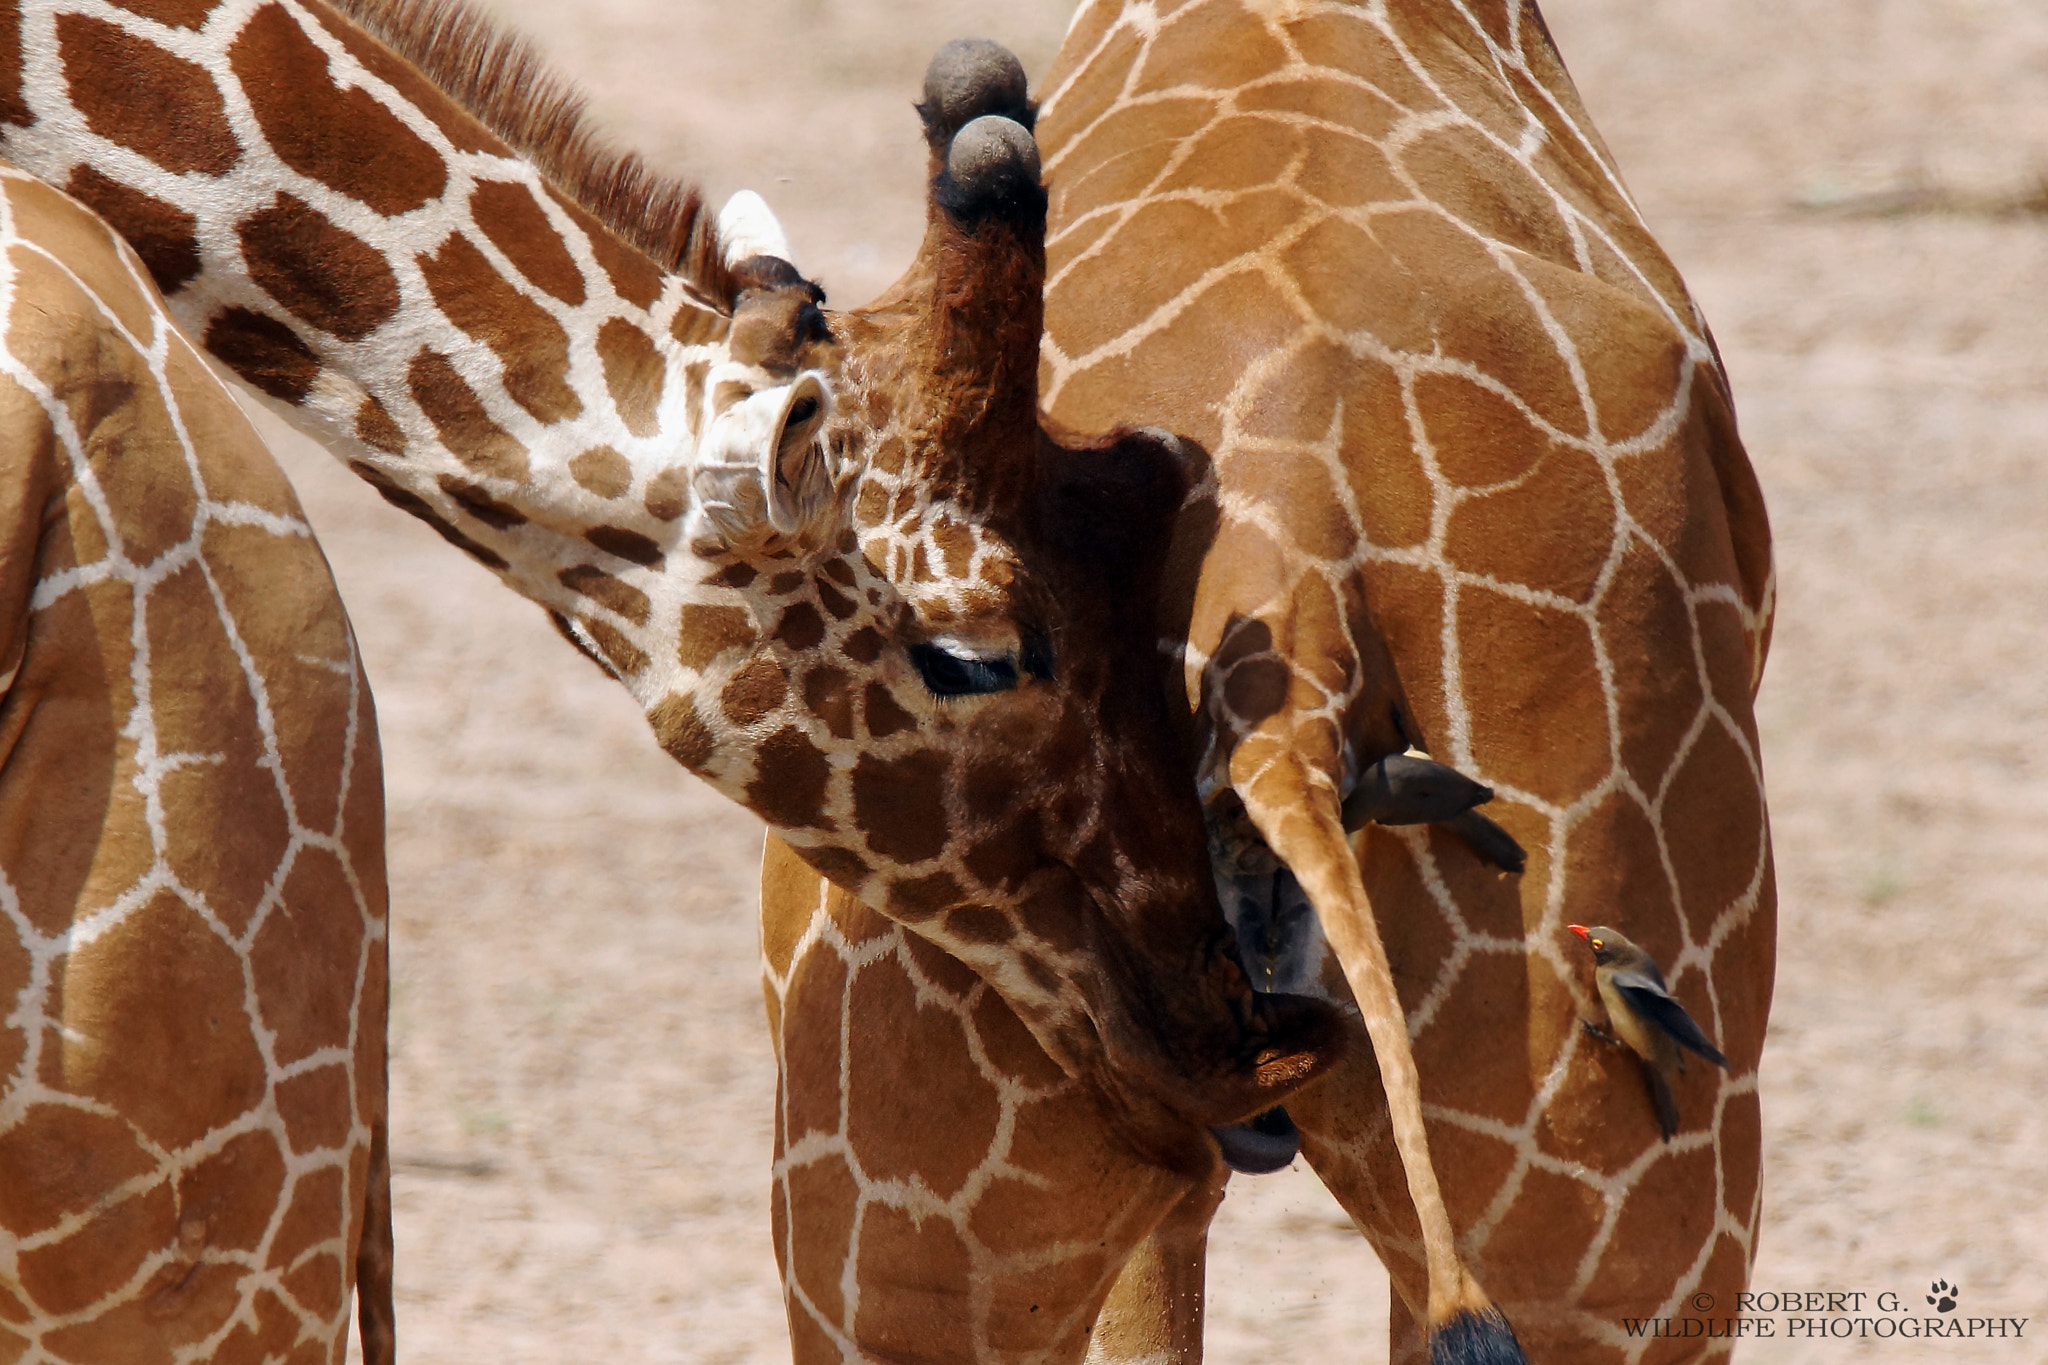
[507, 86]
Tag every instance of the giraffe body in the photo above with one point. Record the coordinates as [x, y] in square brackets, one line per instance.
[1476, 489]
[192, 898]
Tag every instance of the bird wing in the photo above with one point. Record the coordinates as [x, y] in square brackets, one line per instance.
[1660, 1007]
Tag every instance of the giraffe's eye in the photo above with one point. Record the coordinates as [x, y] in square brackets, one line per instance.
[950, 671]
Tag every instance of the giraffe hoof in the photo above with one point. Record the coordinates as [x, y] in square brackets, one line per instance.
[1476, 1337]
[1260, 1145]
[970, 77]
[1401, 789]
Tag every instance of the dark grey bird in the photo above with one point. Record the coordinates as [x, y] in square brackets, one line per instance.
[1403, 789]
[1646, 1016]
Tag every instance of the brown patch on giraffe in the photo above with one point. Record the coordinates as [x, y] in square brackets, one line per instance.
[1391, 490]
[681, 732]
[1356, 285]
[1300, 492]
[267, 354]
[1671, 1207]
[632, 274]
[839, 865]
[1648, 629]
[1117, 160]
[668, 494]
[376, 429]
[315, 1107]
[322, 275]
[980, 924]
[224, 820]
[1229, 323]
[165, 236]
[1342, 171]
[695, 325]
[1235, 154]
[411, 503]
[627, 545]
[309, 1219]
[1543, 531]
[13, 100]
[1551, 1209]
[476, 500]
[509, 215]
[891, 1238]
[603, 471]
[276, 1330]
[814, 1000]
[528, 341]
[791, 777]
[1481, 438]
[705, 632]
[470, 432]
[829, 695]
[633, 372]
[1009, 1045]
[298, 641]
[57, 1161]
[226, 449]
[1726, 643]
[832, 600]
[174, 13]
[1632, 356]
[921, 1108]
[1532, 670]
[1208, 45]
[783, 584]
[345, 139]
[754, 691]
[736, 575]
[304, 1008]
[864, 646]
[624, 658]
[110, 396]
[899, 804]
[918, 899]
[800, 627]
[1351, 46]
[824, 1201]
[232, 1192]
[1361, 112]
[1479, 183]
[613, 593]
[884, 715]
[933, 969]
[1713, 826]
[461, 129]
[136, 94]
[1003, 858]
[1490, 987]
[318, 1285]
[71, 1275]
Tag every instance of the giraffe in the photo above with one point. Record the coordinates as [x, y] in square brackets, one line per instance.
[1477, 491]
[834, 557]
[193, 1159]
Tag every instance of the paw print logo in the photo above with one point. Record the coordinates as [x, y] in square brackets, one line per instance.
[1944, 1296]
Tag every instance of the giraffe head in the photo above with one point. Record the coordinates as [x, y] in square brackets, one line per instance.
[937, 673]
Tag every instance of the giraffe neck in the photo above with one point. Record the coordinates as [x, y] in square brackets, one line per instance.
[357, 246]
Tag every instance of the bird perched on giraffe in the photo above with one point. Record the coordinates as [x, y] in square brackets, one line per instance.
[1646, 1016]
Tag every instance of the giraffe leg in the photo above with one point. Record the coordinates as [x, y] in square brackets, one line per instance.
[1154, 1312]
[942, 1190]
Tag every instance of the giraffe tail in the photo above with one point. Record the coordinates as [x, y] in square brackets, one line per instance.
[1303, 824]
[1475, 1337]
[376, 1317]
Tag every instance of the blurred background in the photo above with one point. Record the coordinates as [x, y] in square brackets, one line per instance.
[582, 1081]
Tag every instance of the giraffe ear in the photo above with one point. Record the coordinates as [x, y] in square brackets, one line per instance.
[760, 473]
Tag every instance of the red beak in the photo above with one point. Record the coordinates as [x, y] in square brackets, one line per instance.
[1580, 930]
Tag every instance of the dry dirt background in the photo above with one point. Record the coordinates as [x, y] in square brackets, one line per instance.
[581, 1077]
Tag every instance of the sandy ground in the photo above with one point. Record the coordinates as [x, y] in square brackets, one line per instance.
[581, 1076]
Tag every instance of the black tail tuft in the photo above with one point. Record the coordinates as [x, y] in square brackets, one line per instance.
[1476, 1338]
